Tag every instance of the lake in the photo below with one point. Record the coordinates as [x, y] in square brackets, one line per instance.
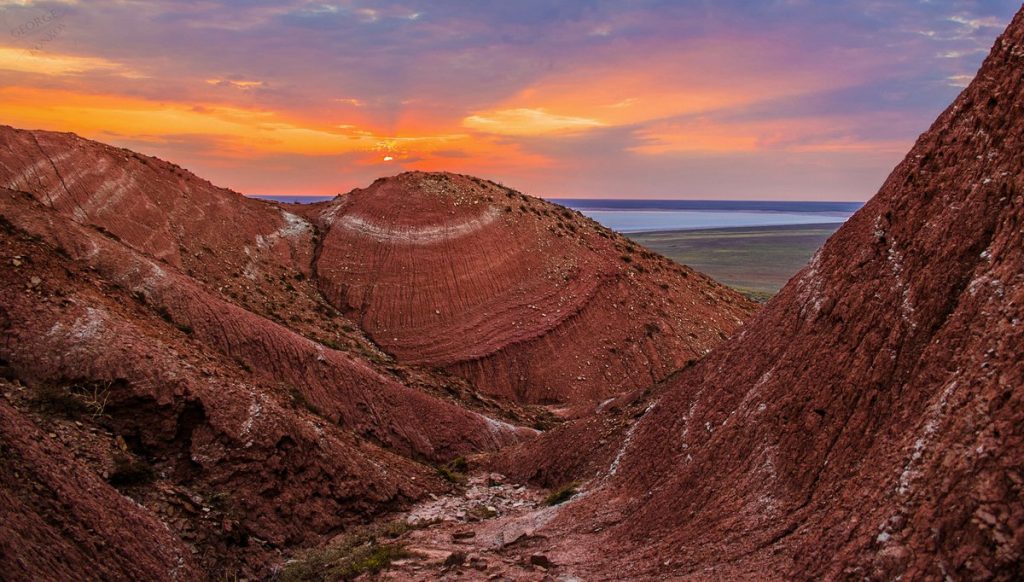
[633, 216]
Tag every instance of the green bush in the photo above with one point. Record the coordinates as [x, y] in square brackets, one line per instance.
[367, 550]
[561, 495]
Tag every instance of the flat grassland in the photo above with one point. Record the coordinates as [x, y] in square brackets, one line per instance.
[757, 260]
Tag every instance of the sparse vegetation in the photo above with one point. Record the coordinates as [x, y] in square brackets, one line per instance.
[330, 343]
[450, 476]
[367, 550]
[299, 400]
[75, 400]
[60, 401]
[562, 494]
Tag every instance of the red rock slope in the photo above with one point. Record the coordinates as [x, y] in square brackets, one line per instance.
[284, 438]
[869, 423]
[251, 436]
[526, 299]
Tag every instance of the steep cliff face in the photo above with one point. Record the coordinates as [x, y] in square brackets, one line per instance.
[869, 422]
[525, 299]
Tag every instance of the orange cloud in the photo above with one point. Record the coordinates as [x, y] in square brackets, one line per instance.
[706, 76]
[36, 62]
[803, 135]
[525, 121]
[247, 133]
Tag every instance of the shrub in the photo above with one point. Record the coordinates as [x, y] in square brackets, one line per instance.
[60, 401]
[367, 550]
[450, 476]
[561, 495]
[459, 464]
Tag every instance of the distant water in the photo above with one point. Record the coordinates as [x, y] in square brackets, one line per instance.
[653, 215]
[290, 199]
[633, 216]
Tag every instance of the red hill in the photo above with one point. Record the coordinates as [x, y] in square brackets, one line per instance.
[868, 423]
[526, 299]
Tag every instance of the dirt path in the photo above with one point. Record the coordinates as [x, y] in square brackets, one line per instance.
[487, 532]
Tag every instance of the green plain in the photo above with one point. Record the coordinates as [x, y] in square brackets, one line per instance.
[756, 261]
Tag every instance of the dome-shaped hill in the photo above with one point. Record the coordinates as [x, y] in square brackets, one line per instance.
[527, 299]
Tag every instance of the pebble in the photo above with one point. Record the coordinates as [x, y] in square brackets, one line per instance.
[455, 559]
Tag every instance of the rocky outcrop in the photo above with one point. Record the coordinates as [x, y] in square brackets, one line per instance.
[61, 520]
[526, 299]
[868, 423]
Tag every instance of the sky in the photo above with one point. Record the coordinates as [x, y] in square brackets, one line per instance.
[703, 99]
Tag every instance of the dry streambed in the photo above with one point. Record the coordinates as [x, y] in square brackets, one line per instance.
[485, 531]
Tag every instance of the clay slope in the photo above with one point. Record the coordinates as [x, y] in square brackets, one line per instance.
[526, 299]
[290, 439]
[247, 437]
[869, 423]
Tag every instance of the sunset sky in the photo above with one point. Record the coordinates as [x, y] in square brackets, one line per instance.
[783, 99]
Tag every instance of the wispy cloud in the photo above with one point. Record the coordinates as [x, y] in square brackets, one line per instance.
[568, 98]
[20, 60]
[525, 121]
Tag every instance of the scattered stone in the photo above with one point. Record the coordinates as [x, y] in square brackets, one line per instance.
[463, 535]
[455, 559]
